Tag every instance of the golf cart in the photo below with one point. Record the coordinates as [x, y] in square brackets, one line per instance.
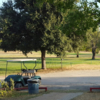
[20, 79]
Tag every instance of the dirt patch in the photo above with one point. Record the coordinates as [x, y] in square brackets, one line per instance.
[88, 96]
[73, 67]
[83, 67]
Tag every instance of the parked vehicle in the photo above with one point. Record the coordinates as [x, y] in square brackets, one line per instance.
[20, 79]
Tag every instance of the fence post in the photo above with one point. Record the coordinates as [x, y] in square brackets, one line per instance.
[61, 62]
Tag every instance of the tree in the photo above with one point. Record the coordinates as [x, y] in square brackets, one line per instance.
[77, 21]
[10, 27]
[28, 27]
[93, 41]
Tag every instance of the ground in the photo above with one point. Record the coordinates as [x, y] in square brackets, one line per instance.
[57, 96]
[71, 79]
[88, 96]
[72, 82]
[76, 81]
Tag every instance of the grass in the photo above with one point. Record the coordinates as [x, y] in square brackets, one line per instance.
[88, 96]
[52, 62]
[23, 95]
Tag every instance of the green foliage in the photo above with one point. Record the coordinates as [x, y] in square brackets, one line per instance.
[38, 25]
[61, 5]
[10, 29]
[35, 26]
[4, 85]
[44, 30]
[97, 51]
[93, 40]
[30, 29]
[8, 90]
[3, 93]
[77, 21]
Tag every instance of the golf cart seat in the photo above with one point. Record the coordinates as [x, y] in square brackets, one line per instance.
[29, 72]
[23, 70]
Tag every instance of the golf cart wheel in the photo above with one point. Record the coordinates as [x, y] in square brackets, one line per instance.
[18, 85]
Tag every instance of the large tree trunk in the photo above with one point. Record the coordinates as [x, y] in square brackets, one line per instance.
[77, 53]
[43, 59]
[93, 52]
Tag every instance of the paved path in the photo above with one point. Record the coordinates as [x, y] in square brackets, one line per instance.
[57, 96]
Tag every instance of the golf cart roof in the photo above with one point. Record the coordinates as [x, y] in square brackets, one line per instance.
[21, 60]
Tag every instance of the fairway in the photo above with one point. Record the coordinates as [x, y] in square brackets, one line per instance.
[70, 62]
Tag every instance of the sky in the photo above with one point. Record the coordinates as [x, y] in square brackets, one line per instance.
[2, 1]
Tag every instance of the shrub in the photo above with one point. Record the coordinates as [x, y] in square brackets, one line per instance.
[7, 90]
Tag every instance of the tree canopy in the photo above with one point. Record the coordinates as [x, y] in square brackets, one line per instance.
[45, 25]
[93, 41]
[78, 20]
[27, 27]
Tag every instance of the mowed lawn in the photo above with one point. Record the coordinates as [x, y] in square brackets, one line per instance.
[70, 62]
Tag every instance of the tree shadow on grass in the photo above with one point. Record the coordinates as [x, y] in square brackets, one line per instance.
[2, 69]
[91, 59]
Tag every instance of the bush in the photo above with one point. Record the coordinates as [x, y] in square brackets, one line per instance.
[7, 90]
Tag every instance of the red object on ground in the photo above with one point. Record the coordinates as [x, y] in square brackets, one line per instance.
[43, 88]
[25, 88]
[93, 88]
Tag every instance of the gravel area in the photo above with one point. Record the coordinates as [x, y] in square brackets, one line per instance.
[72, 80]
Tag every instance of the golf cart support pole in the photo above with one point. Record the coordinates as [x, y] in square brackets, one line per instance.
[24, 65]
[21, 66]
[35, 65]
[6, 69]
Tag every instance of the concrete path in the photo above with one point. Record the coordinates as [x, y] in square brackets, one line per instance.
[57, 96]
